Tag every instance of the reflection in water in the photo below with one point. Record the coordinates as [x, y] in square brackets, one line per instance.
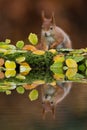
[52, 95]
[17, 112]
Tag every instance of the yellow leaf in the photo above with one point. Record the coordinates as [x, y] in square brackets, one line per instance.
[20, 59]
[19, 76]
[39, 82]
[10, 73]
[59, 58]
[71, 63]
[39, 52]
[71, 72]
[59, 76]
[10, 64]
[33, 95]
[33, 38]
[53, 83]
[24, 68]
[53, 51]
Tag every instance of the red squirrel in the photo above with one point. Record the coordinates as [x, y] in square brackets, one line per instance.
[52, 95]
[52, 36]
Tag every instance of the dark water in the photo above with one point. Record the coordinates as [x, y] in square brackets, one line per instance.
[18, 112]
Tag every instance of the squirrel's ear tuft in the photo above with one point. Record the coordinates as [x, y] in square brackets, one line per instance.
[53, 18]
[43, 113]
[53, 112]
[43, 15]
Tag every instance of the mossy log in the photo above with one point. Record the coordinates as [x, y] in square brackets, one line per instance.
[32, 67]
[63, 64]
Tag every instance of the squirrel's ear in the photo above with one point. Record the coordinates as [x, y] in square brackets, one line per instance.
[53, 18]
[53, 112]
[43, 15]
[43, 113]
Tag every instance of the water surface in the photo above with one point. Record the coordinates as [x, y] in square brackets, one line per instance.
[17, 112]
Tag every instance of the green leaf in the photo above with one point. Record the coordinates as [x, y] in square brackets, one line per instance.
[21, 77]
[20, 90]
[77, 51]
[2, 43]
[77, 77]
[86, 72]
[6, 46]
[86, 63]
[7, 41]
[57, 67]
[33, 95]
[20, 59]
[78, 58]
[33, 38]
[8, 92]
[20, 44]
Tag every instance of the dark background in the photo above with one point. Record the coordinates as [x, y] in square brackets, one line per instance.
[20, 17]
[17, 19]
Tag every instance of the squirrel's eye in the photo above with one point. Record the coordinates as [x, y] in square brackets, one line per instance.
[51, 28]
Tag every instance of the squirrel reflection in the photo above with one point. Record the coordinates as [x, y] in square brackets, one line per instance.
[52, 95]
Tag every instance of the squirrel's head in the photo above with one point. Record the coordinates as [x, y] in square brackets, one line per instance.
[48, 25]
[48, 107]
[48, 101]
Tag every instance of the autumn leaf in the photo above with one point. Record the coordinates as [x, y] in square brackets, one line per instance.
[71, 63]
[39, 52]
[59, 76]
[10, 73]
[1, 61]
[33, 38]
[20, 59]
[29, 48]
[8, 92]
[71, 72]
[24, 68]
[52, 51]
[20, 44]
[33, 95]
[59, 58]
[7, 41]
[20, 90]
[10, 64]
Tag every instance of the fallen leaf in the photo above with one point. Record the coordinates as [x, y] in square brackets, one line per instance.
[71, 63]
[20, 44]
[20, 90]
[33, 38]
[33, 95]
